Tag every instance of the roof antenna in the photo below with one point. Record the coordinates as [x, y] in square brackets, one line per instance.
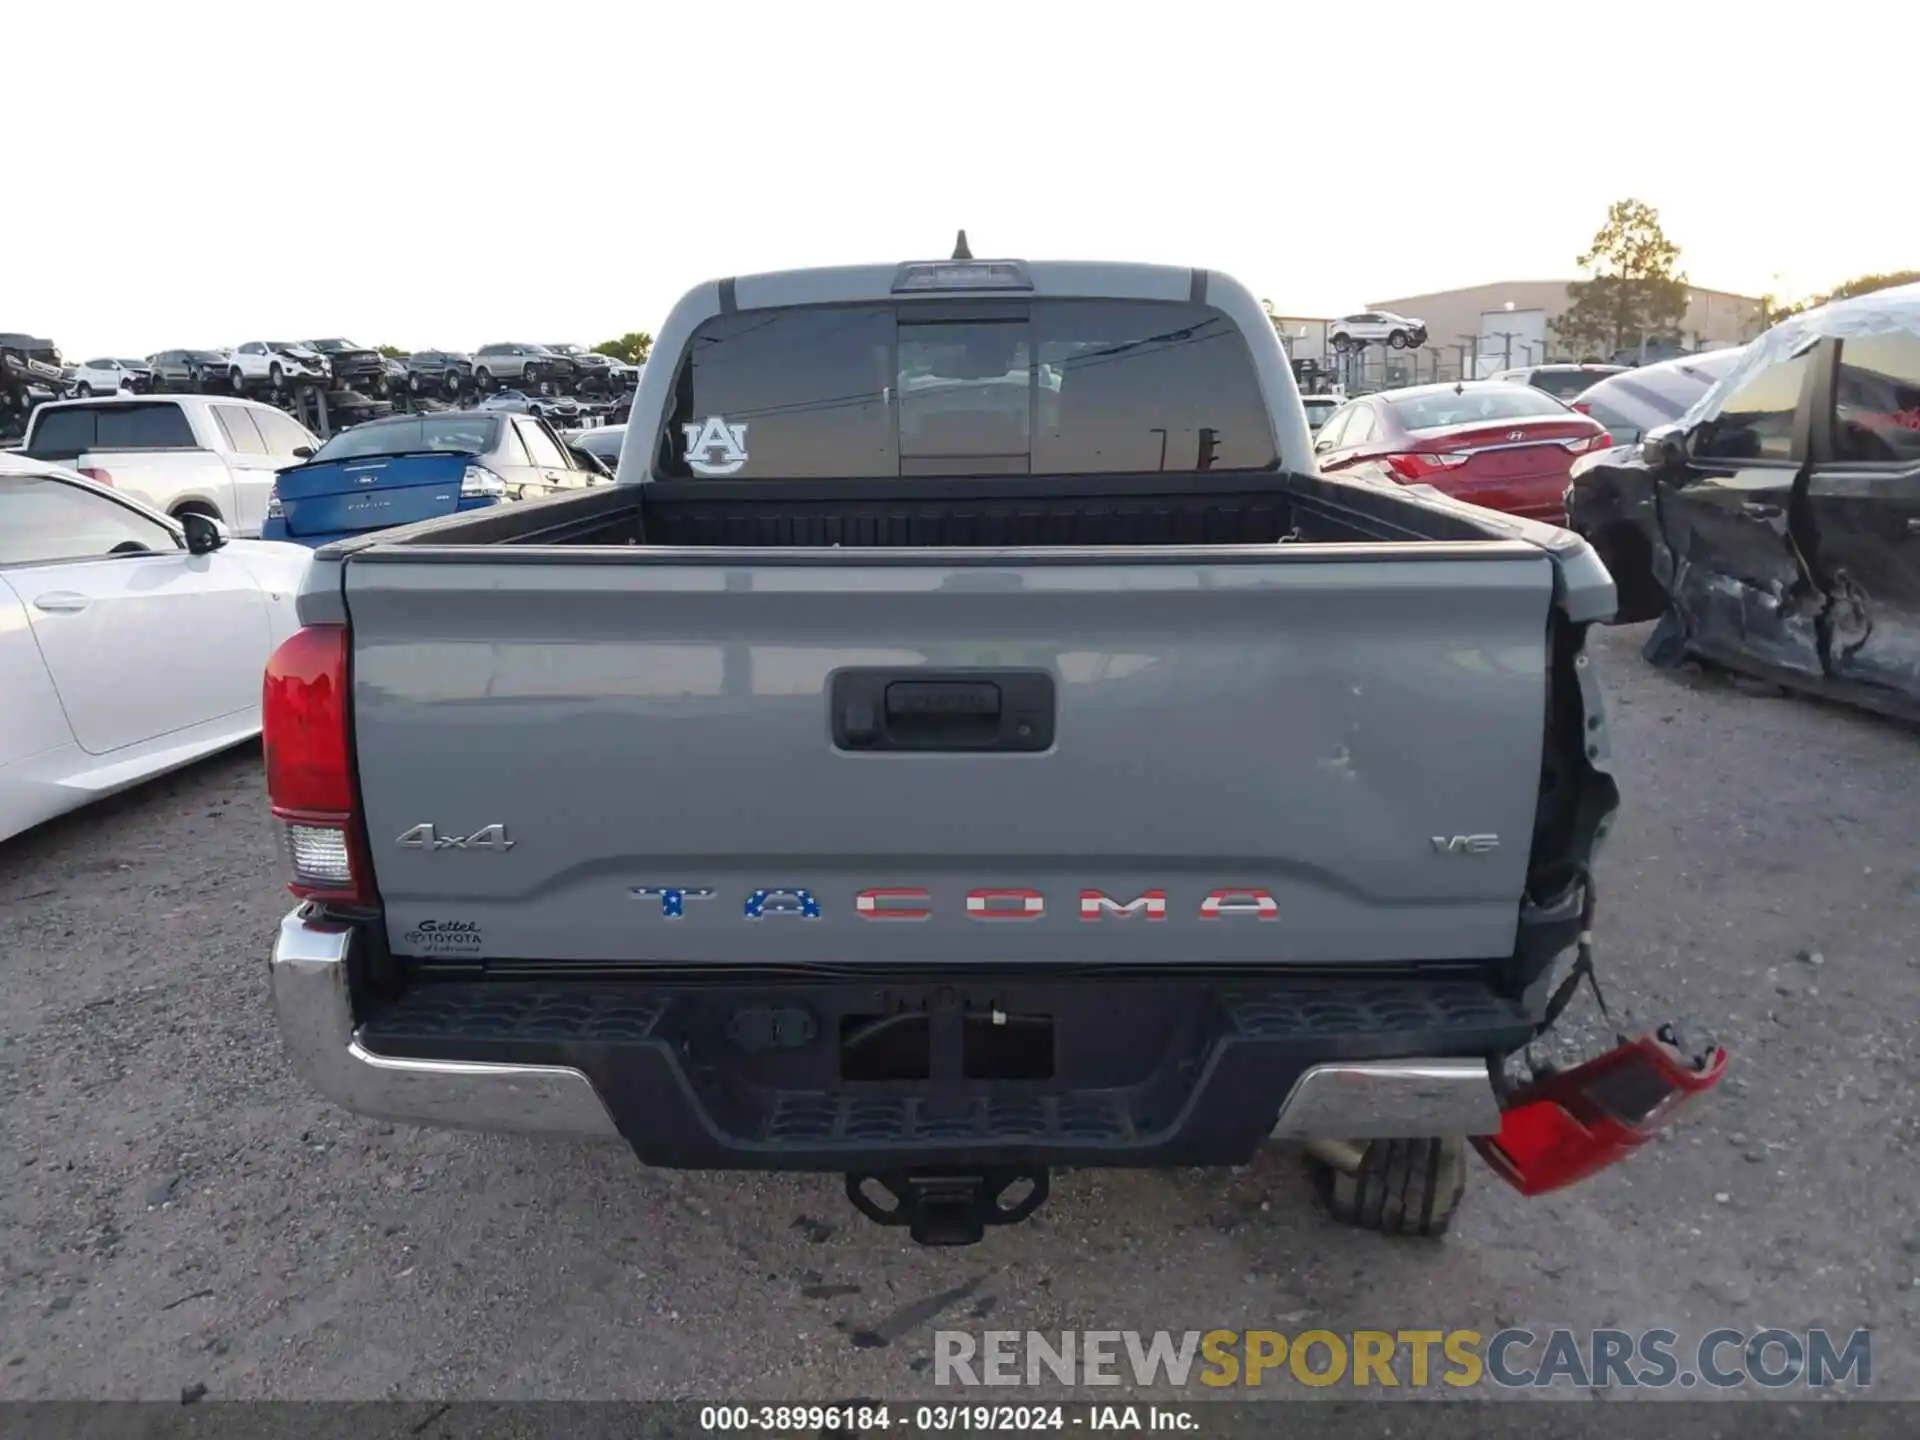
[960, 250]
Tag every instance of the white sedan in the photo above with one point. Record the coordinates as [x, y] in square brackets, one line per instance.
[129, 645]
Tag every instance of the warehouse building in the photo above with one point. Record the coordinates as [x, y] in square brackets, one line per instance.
[1510, 323]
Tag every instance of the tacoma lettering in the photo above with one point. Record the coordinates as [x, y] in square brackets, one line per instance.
[988, 903]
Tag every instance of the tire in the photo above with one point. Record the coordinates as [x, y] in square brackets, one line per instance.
[1399, 340]
[239, 379]
[526, 376]
[83, 390]
[1343, 343]
[276, 377]
[1403, 1187]
[482, 377]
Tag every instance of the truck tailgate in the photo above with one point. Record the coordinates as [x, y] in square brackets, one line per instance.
[1313, 754]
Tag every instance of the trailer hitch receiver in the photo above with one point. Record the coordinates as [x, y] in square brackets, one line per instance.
[949, 1207]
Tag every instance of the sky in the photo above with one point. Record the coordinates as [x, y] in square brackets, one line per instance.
[440, 176]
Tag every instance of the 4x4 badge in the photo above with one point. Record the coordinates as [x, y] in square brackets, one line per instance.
[425, 837]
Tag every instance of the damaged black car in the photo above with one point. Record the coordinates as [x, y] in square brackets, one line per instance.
[1774, 529]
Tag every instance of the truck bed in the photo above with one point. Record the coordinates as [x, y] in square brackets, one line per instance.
[1083, 513]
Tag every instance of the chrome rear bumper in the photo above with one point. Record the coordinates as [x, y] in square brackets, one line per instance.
[1410, 1097]
[315, 1011]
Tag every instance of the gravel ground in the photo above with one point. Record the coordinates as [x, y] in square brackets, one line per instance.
[176, 1210]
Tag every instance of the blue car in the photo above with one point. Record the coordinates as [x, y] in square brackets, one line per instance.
[419, 467]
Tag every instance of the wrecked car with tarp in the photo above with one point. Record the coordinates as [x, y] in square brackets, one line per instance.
[1774, 529]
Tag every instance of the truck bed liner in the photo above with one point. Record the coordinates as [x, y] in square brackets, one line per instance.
[1128, 511]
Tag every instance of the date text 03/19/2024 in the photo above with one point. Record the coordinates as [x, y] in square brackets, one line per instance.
[936, 1419]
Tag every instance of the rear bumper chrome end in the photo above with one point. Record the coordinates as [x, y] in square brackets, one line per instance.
[314, 1007]
[1390, 1100]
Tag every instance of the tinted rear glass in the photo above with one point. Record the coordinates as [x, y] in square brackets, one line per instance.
[455, 434]
[72, 429]
[1651, 397]
[1565, 383]
[1056, 387]
[1472, 404]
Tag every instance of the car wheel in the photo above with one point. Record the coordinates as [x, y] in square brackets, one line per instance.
[276, 377]
[83, 389]
[1343, 343]
[482, 377]
[1398, 339]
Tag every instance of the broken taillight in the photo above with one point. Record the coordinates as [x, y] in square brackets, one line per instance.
[1571, 1124]
[304, 722]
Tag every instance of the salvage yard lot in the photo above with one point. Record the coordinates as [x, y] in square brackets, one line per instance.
[177, 1209]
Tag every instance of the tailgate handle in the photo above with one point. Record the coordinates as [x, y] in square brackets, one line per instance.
[975, 710]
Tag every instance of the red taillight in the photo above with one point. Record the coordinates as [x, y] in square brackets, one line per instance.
[1574, 1123]
[1419, 465]
[1581, 444]
[1582, 407]
[303, 722]
[97, 475]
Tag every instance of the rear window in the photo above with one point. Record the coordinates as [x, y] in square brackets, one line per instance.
[603, 443]
[1472, 404]
[1048, 387]
[1320, 409]
[455, 434]
[71, 429]
[1565, 383]
[1643, 399]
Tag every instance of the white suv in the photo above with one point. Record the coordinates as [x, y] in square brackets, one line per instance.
[1376, 327]
[278, 362]
[105, 377]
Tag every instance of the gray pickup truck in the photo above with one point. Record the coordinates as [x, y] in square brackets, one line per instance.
[970, 739]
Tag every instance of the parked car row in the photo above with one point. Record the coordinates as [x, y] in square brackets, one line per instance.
[34, 369]
[1764, 504]
[418, 467]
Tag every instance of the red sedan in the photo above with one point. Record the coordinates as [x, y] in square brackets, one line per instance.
[1507, 447]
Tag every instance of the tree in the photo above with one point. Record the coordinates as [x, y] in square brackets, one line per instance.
[1859, 285]
[1635, 292]
[633, 347]
[392, 352]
